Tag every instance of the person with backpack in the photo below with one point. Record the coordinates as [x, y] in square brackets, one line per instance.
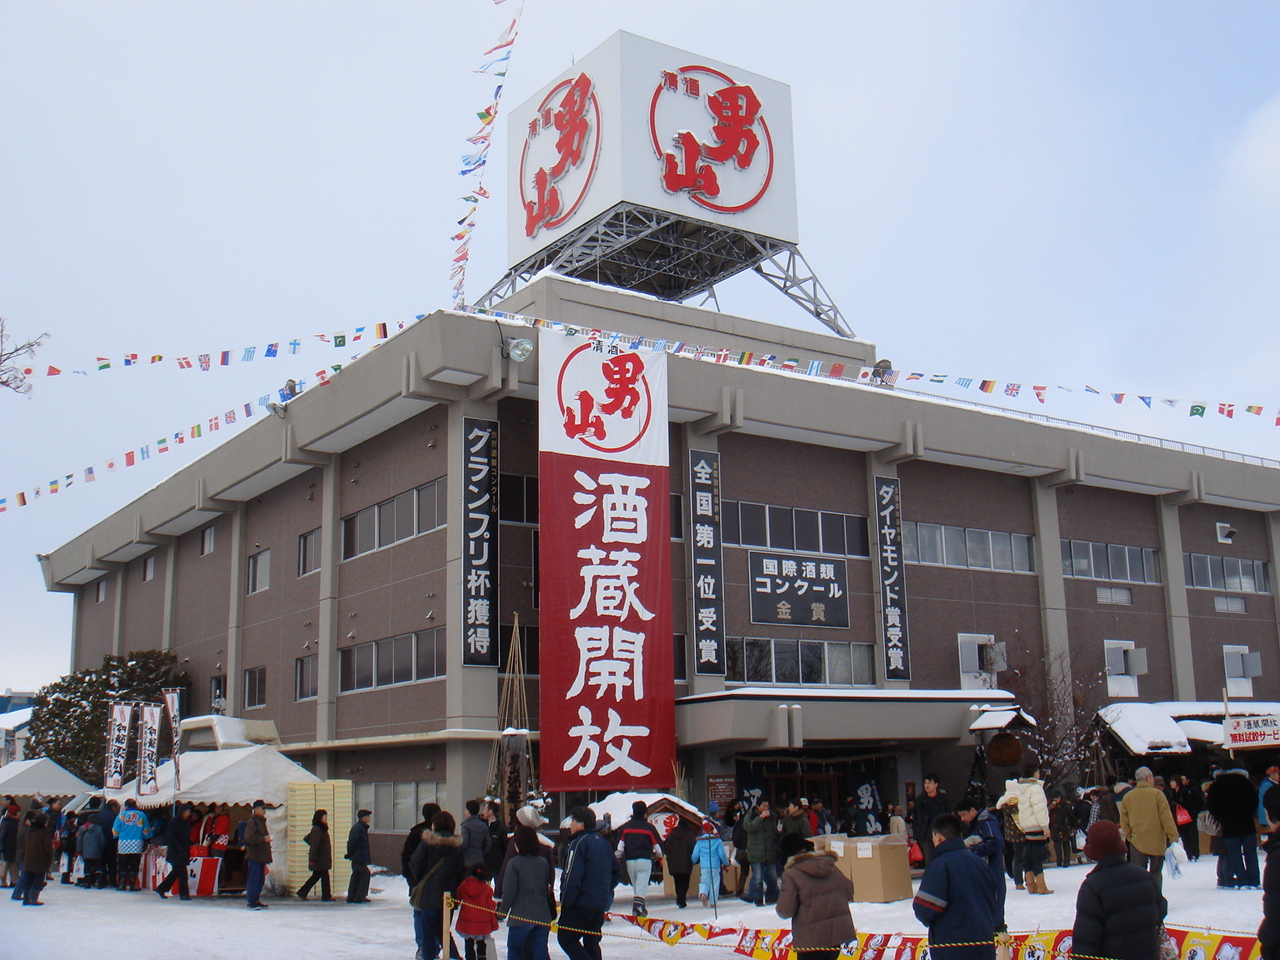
[90, 841]
[359, 855]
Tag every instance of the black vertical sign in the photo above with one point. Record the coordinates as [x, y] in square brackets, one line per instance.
[480, 543]
[708, 562]
[893, 583]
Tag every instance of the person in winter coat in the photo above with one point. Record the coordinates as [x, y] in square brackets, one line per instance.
[177, 851]
[111, 857]
[218, 837]
[1031, 811]
[91, 842]
[985, 838]
[37, 857]
[527, 899]
[738, 836]
[709, 855]
[1119, 909]
[319, 857]
[24, 829]
[929, 806]
[638, 845]
[491, 814]
[678, 848]
[1269, 929]
[1062, 823]
[9, 863]
[414, 837]
[762, 852]
[795, 821]
[1147, 823]
[1232, 801]
[957, 898]
[824, 821]
[586, 888]
[437, 865]
[359, 855]
[257, 854]
[474, 833]
[131, 829]
[526, 816]
[67, 844]
[815, 896]
[477, 915]
[1191, 799]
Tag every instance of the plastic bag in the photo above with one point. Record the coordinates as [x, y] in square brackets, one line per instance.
[1179, 851]
[1171, 863]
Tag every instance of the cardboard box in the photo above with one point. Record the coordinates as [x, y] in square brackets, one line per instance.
[877, 866]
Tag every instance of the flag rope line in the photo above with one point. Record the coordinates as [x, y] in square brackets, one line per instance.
[1008, 939]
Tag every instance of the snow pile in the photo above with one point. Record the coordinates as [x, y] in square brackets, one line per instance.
[1144, 728]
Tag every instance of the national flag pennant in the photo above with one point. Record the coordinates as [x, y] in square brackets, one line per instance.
[111, 466]
[264, 399]
[104, 363]
[180, 437]
[53, 486]
[1255, 410]
[1039, 392]
[89, 475]
[67, 481]
[965, 382]
[294, 345]
[358, 334]
[722, 356]
[1012, 389]
[272, 350]
[322, 337]
[229, 416]
[162, 445]
[248, 354]
[1197, 410]
[184, 363]
[380, 331]
[130, 359]
[214, 424]
[939, 378]
[1089, 389]
[4, 504]
[248, 410]
[195, 431]
[837, 371]
[144, 452]
[339, 339]
[790, 363]
[225, 360]
[22, 499]
[744, 359]
[815, 368]
[1171, 404]
[205, 362]
[1147, 401]
[156, 358]
[52, 372]
[915, 376]
[1118, 397]
[1227, 410]
[987, 386]
[130, 458]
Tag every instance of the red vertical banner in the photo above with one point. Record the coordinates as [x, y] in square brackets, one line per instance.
[607, 693]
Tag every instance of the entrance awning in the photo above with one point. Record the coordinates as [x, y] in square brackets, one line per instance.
[1144, 729]
[997, 718]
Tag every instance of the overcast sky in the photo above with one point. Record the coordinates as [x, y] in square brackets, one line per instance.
[1053, 193]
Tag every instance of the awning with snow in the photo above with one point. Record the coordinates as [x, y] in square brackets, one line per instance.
[1202, 731]
[997, 718]
[1144, 729]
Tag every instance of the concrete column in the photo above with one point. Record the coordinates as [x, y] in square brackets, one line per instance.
[466, 767]
[1053, 604]
[117, 618]
[709, 442]
[170, 608]
[1177, 614]
[876, 467]
[235, 615]
[327, 630]
[471, 693]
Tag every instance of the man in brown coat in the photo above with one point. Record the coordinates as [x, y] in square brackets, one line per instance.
[815, 897]
[257, 854]
[1148, 824]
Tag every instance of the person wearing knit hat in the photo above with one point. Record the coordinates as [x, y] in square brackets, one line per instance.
[1119, 909]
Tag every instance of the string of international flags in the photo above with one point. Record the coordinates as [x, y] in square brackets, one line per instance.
[476, 159]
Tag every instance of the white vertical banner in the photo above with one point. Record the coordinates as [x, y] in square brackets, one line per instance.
[173, 702]
[148, 742]
[120, 720]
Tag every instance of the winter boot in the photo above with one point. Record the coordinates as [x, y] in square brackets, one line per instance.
[66, 878]
[1041, 886]
[1029, 880]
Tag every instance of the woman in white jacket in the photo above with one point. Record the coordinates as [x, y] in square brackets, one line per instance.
[1031, 812]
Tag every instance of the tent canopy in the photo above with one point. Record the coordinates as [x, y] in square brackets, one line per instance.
[237, 776]
[1144, 729]
[40, 776]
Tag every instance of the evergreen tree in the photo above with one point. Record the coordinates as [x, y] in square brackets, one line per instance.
[69, 717]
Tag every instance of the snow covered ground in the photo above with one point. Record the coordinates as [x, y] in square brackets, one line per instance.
[77, 923]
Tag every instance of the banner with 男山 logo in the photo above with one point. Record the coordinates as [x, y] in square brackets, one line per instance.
[607, 695]
[117, 744]
[148, 747]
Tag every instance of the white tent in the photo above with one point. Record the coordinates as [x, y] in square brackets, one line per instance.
[239, 775]
[40, 777]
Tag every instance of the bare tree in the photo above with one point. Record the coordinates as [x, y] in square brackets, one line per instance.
[13, 375]
[1067, 739]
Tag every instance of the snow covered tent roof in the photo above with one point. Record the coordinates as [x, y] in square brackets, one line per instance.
[1203, 731]
[1144, 728]
[239, 775]
[41, 776]
[15, 719]
[1180, 709]
[618, 806]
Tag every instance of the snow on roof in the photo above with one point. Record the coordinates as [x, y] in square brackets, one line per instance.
[15, 719]
[237, 775]
[1213, 708]
[1202, 730]
[827, 693]
[618, 805]
[1144, 728]
[214, 732]
[999, 719]
[40, 776]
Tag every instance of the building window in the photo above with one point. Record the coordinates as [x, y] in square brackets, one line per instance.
[1240, 667]
[100, 591]
[384, 663]
[396, 807]
[218, 694]
[1088, 560]
[1124, 664]
[806, 662]
[399, 518]
[1229, 605]
[305, 677]
[255, 687]
[967, 547]
[258, 574]
[528, 648]
[309, 552]
[1120, 595]
[517, 498]
[206, 541]
[148, 568]
[793, 528]
[678, 654]
[981, 659]
[1226, 573]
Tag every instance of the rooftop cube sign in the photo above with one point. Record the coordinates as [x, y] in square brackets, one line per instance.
[640, 122]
